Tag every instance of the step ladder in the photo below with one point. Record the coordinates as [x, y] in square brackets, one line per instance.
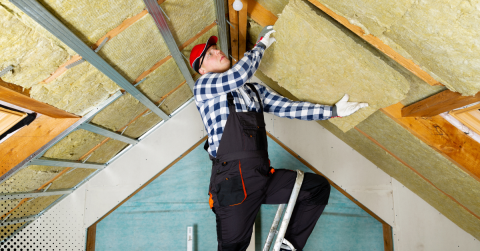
[286, 218]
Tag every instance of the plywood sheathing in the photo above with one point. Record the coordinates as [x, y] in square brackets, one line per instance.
[328, 62]
[33, 56]
[440, 36]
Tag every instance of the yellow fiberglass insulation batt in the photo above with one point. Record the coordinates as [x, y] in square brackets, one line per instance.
[33, 56]
[324, 62]
[442, 37]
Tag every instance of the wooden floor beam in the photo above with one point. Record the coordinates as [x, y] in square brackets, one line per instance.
[439, 103]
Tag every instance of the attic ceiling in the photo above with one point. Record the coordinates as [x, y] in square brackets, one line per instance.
[324, 61]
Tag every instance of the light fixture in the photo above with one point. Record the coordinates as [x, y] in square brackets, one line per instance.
[237, 5]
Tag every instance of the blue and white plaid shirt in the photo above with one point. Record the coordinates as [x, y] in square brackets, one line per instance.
[211, 90]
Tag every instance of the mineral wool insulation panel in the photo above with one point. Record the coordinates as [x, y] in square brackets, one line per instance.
[325, 62]
[443, 37]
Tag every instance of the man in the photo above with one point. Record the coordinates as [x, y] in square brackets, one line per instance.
[242, 179]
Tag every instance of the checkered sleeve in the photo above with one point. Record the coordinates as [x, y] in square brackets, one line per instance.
[211, 85]
[284, 107]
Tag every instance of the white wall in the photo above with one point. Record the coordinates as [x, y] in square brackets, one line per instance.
[416, 225]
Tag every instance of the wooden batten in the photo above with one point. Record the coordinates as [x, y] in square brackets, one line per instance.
[91, 237]
[439, 103]
[26, 102]
[260, 15]
[387, 237]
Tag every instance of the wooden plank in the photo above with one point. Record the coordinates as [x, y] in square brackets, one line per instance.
[329, 181]
[21, 100]
[443, 137]
[469, 117]
[91, 237]
[29, 139]
[242, 29]
[233, 17]
[259, 14]
[153, 178]
[438, 103]
[377, 43]
[15, 88]
[9, 118]
[387, 237]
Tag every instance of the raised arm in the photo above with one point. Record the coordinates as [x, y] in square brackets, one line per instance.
[284, 107]
[211, 85]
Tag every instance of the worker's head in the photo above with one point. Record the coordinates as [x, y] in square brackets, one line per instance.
[206, 58]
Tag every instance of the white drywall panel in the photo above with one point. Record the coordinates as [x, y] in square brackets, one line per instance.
[60, 228]
[338, 161]
[142, 162]
[421, 227]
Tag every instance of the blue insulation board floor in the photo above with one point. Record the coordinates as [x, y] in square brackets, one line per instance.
[157, 217]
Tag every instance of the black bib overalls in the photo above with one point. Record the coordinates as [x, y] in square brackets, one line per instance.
[242, 180]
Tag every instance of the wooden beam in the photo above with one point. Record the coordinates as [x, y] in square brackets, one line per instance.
[242, 29]
[439, 103]
[91, 236]
[377, 43]
[443, 137]
[21, 100]
[387, 237]
[233, 17]
[15, 88]
[329, 181]
[29, 139]
[259, 14]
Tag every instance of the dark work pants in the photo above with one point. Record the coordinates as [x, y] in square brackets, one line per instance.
[235, 223]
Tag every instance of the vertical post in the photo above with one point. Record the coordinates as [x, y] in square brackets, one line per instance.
[91, 236]
[387, 237]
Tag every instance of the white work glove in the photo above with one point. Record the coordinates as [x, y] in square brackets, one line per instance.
[345, 108]
[264, 39]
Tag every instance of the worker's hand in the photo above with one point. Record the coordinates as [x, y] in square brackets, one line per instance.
[264, 39]
[345, 108]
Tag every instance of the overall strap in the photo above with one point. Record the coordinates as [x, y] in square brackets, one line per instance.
[258, 95]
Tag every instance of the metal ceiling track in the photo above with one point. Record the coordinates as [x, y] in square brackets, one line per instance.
[156, 13]
[43, 17]
[34, 158]
[222, 26]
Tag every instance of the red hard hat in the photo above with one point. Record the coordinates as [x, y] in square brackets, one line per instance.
[198, 52]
